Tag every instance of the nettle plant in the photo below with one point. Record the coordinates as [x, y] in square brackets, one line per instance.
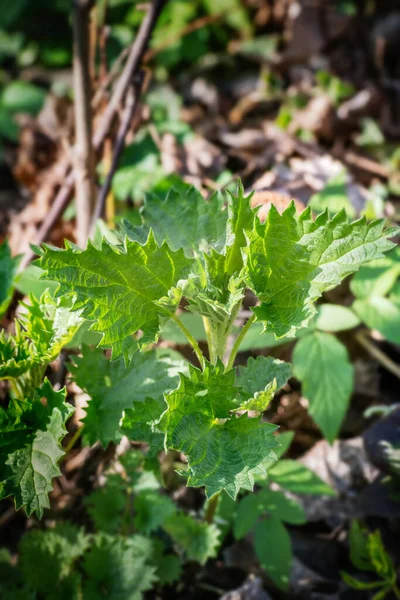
[202, 255]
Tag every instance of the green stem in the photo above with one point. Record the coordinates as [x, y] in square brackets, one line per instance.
[73, 440]
[238, 341]
[211, 509]
[191, 340]
[211, 349]
[396, 591]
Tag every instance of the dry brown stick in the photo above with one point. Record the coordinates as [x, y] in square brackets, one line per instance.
[84, 160]
[131, 66]
[132, 103]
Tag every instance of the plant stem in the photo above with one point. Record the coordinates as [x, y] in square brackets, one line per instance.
[238, 341]
[190, 339]
[211, 349]
[211, 508]
[84, 168]
[73, 440]
[381, 357]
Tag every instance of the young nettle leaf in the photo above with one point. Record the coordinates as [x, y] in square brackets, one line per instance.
[223, 451]
[184, 220]
[50, 324]
[45, 326]
[241, 222]
[291, 260]
[122, 289]
[198, 539]
[260, 379]
[48, 557]
[30, 447]
[8, 269]
[16, 356]
[117, 567]
[114, 388]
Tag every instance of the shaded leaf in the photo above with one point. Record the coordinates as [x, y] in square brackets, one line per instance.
[114, 387]
[223, 452]
[30, 442]
[274, 551]
[198, 539]
[260, 379]
[8, 269]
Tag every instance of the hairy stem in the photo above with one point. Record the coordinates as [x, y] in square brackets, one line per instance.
[238, 341]
[211, 350]
[381, 357]
[190, 339]
[211, 508]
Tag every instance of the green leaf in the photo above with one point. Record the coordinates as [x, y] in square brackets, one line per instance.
[118, 568]
[322, 365]
[183, 219]
[333, 317]
[371, 134]
[23, 97]
[382, 314]
[50, 324]
[16, 355]
[260, 379]
[106, 505]
[380, 559]
[378, 277]
[8, 269]
[41, 331]
[169, 569]
[274, 551]
[152, 509]
[30, 442]
[297, 478]
[378, 301]
[198, 539]
[121, 289]
[359, 553]
[292, 260]
[333, 197]
[241, 221]
[140, 424]
[47, 557]
[29, 282]
[114, 387]
[268, 503]
[223, 452]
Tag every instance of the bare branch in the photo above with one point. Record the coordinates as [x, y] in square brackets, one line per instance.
[84, 163]
[131, 68]
[132, 103]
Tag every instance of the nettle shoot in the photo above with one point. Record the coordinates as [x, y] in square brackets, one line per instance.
[203, 256]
